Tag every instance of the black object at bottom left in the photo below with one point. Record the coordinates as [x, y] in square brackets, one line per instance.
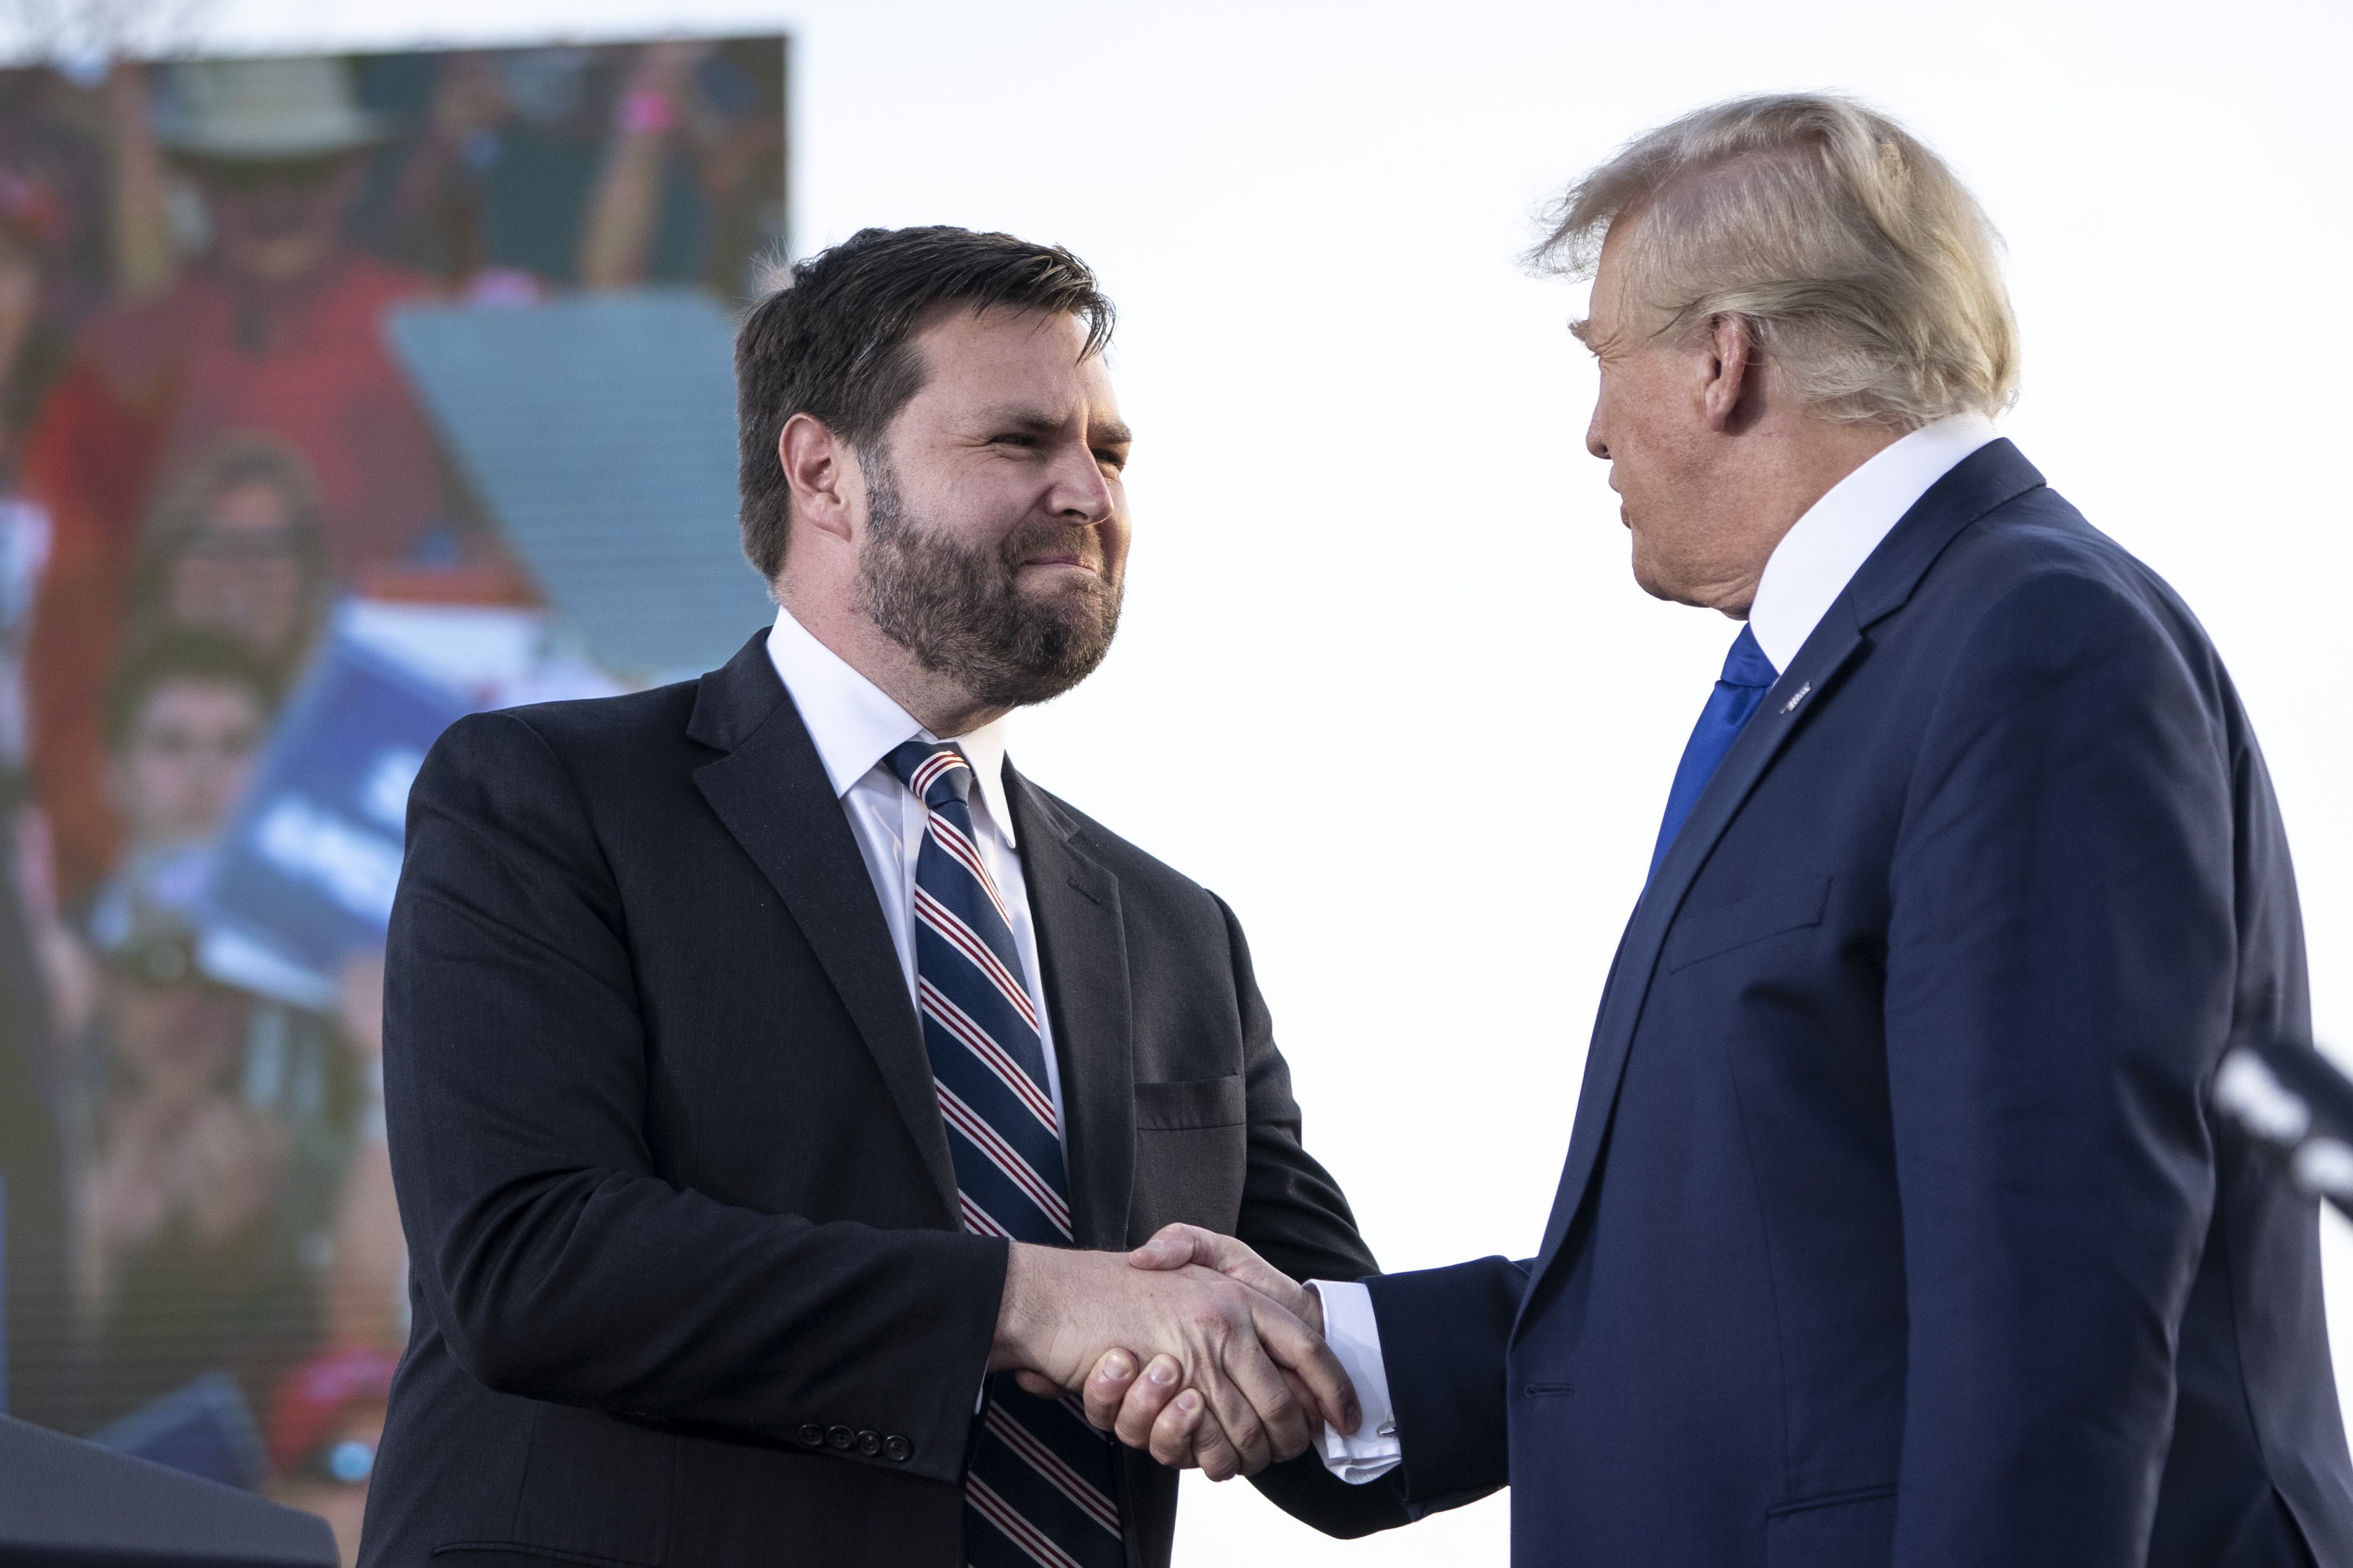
[65, 1503]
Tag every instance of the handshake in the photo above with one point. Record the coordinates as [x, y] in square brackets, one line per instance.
[1233, 1373]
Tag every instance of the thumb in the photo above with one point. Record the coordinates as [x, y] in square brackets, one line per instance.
[1173, 1247]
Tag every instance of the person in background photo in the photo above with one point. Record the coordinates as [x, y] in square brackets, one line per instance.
[213, 1122]
[187, 713]
[533, 170]
[323, 1430]
[53, 236]
[238, 545]
[33, 1269]
[275, 332]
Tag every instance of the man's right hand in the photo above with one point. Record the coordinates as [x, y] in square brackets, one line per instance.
[1228, 1345]
[1157, 1412]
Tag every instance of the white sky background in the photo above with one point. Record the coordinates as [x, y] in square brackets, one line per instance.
[1385, 682]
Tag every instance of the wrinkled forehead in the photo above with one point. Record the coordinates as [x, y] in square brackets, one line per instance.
[1606, 325]
[974, 358]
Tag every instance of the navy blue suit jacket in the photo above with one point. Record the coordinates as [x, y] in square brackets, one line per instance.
[1897, 1226]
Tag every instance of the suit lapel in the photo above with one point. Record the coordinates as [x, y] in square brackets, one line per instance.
[1082, 961]
[770, 791]
[1994, 474]
[1811, 673]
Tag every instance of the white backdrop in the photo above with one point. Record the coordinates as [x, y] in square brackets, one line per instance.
[1385, 682]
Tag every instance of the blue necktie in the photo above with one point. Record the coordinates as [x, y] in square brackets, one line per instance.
[1747, 676]
[1041, 1488]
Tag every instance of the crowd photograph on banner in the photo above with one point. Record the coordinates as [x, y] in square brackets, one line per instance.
[252, 561]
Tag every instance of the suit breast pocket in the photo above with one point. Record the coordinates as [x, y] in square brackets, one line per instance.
[1192, 1152]
[1800, 906]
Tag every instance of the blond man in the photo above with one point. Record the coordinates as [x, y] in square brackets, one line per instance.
[1897, 1227]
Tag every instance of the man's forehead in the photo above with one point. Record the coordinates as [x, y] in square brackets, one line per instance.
[1603, 324]
[959, 329]
[1026, 368]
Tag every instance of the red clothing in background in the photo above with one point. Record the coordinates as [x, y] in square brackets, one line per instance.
[153, 385]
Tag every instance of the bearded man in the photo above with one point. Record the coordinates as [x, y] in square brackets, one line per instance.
[770, 1065]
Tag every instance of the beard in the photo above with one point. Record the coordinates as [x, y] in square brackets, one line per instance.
[959, 607]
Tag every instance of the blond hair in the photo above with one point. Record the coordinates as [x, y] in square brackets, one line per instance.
[1867, 271]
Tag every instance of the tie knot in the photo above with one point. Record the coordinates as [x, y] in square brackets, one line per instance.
[935, 770]
[1746, 664]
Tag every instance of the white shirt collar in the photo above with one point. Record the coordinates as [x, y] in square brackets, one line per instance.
[854, 725]
[1825, 548]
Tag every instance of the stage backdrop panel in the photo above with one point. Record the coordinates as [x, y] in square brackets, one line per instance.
[600, 433]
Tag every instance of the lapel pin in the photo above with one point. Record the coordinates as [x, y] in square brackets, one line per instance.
[1791, 705]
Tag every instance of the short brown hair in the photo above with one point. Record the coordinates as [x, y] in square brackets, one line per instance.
[834, 342]
[201, 658]
[1867, 271]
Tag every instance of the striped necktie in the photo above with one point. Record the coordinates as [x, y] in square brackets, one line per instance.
[1041, 1488]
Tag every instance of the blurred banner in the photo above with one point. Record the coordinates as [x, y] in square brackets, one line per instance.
[338, 397]
[304, 874]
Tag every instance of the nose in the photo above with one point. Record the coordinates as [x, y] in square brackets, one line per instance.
[1081, 493]
[1594, 441]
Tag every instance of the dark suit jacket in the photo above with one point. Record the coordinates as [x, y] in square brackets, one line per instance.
[1897, 1226]
[688, 1285]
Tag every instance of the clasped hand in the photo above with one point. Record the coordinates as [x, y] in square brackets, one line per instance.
[1233, 1373]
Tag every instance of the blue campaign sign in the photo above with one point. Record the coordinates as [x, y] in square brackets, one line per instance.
[306, 867]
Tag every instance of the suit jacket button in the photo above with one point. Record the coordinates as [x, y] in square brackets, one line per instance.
[812, 1435]
[897, 1449]
[870, 1443]
[840, 1436]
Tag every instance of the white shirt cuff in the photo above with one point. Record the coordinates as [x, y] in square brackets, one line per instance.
[1373, 1450]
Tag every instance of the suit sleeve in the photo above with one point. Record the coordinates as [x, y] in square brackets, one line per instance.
[556, 1264]
[1445, 1334]
[1294, 1215]
[2060, 966]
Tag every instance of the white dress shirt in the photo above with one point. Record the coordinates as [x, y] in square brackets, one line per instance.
[855, 728]
[1807, 571]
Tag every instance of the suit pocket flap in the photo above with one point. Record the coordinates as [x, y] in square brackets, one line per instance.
[1752, 919]
[1182, 1107]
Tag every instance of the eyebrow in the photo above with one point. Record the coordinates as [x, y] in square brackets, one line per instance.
[1581, 329]
[1037, 422]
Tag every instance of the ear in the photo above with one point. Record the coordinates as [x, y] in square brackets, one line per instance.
[1732, 388]
[817, 467]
